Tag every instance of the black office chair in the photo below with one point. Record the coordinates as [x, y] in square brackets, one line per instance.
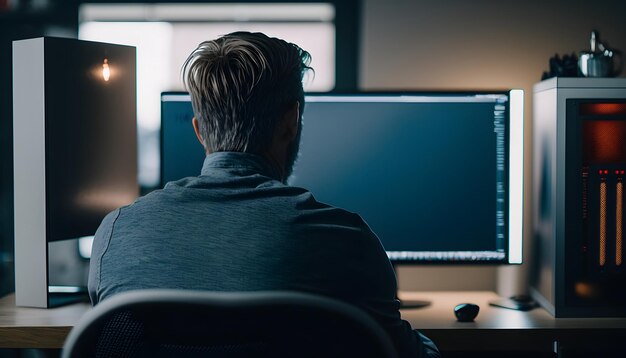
[182, 323]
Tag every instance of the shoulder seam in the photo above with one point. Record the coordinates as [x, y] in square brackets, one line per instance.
[110, 235]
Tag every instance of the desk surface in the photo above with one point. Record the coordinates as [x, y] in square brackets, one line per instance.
[494, 328]
[22, 327]
[498, 329]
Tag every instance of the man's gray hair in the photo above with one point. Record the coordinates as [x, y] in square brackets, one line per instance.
[240, 86]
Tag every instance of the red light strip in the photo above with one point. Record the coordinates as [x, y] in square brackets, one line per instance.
[618, 223]
[602, 258]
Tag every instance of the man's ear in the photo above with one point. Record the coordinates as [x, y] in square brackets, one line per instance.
[291, 120]
[196, 128]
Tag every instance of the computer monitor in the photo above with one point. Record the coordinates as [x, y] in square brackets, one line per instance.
[437, 176]
[182, 154]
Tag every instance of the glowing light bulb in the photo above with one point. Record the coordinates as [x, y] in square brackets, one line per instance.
[106, 72]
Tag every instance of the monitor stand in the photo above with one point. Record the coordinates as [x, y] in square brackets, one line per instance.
[66, 295]
[407, 304]
[517, 302]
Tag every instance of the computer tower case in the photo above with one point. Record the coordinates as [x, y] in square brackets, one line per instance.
[75, 152]
[579, 164]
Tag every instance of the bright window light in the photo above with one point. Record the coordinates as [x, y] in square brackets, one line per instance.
[165, 34]
[238, 12]
[84, 246]
[153, 41]
[317, 38]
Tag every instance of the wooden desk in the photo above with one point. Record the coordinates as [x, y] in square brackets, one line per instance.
[495, 329]
[501, 329]
[22, 327]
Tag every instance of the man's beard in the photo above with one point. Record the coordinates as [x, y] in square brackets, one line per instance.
[292, 153]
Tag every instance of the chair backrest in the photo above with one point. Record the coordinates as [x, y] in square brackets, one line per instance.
[183, 323]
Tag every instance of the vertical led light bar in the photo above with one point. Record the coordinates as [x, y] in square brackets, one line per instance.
[516, 175]
[602, 238]
[618, 222]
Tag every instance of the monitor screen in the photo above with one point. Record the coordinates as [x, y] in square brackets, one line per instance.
[182, 154]
[437, 176]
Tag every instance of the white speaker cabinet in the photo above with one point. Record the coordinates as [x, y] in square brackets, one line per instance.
[75, 150]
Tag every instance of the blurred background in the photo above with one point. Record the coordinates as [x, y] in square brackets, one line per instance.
[355, 45]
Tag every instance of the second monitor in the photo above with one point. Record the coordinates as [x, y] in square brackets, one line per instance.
[437, 176]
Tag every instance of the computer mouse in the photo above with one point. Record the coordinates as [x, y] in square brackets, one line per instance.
[466, 312]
